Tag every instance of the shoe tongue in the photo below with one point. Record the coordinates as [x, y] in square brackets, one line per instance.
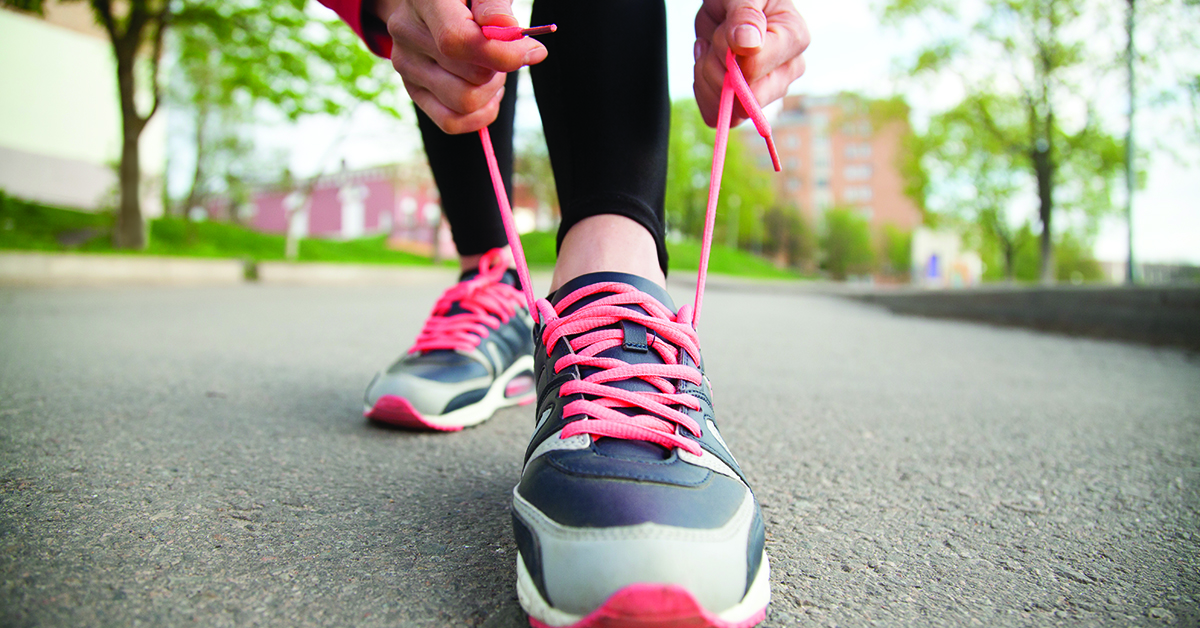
[510, 277]
[626, 449]
[641, 283]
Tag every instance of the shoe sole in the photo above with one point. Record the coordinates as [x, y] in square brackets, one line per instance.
[508, 390]
[648, 605]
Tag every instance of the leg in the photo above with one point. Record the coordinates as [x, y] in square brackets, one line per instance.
[602, 93]
[461, 175]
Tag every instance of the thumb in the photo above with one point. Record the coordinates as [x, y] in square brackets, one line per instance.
[493, 13]
[746, 26]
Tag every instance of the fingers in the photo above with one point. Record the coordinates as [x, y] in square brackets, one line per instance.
[745, 26]
[450, 90]
[451, 121]
[493, 13]
[768, 37]
[446, 31]
[451, 70]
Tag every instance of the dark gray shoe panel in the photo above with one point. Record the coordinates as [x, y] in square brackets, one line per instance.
[440, 366]
[595, 501]
[511, 341]
[531, 554]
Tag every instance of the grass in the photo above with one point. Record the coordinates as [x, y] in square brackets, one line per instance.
[684, 257]
[33, 226]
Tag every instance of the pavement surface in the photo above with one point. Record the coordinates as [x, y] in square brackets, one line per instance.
[197, 456]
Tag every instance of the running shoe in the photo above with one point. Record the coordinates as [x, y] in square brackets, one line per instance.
[472, 358]
[630, 510]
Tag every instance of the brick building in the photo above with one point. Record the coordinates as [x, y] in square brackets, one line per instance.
[842, 151]
[397, 200]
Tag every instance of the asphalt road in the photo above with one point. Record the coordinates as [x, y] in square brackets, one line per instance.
[180, 456]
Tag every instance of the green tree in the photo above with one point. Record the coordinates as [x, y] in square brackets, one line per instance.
[788, 237]
[1076, 263]
[846, 243]
[1020, 63]
[262, 49]
[979, 179]
[746, 190]
[135, 28]
[531, 168]
[232, 57]
[897, 250]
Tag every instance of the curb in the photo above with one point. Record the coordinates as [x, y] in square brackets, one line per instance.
[60, 269]
[1155, 315]
[331, 274]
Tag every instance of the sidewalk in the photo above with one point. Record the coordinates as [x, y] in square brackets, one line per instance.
[72, 269]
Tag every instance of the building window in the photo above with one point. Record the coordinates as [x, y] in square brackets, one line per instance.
[793, 184]
[822, 183]
[858, 151]
[792, 163]
[823, 200]
[857, 173]
[857, 194]
[791, 141]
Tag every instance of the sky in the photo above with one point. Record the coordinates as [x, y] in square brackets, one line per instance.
[850, 51]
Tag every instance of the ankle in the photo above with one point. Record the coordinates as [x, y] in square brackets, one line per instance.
[471, 262]
[607, 243]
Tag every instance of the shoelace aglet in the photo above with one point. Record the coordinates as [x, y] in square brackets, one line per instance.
[750, 104]
[513, 33]
[539, 30]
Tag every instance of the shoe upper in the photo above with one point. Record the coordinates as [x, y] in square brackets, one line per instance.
[658, 494]
[477, 330]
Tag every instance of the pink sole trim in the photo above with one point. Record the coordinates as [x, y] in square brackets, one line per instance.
[654, 606]
[398, 411]
[520, 385]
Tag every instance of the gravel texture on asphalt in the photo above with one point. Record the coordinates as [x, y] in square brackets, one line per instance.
[180, 456]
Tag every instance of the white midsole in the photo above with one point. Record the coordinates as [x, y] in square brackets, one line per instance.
[481, 410]
[531, 599]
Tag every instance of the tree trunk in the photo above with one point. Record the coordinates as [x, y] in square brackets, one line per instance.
[1010, 254]
[1044, 169]
[1130, 276]
[130, 232]
[193, 197]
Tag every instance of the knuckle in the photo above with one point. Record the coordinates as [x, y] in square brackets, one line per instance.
[402, 65]
[453, 44]
[479, 76]
[476, 100]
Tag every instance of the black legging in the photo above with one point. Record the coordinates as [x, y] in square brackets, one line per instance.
[602, 94]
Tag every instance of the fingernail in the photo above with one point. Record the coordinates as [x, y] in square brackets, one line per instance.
[535, 56]
[697, 50]
[747, 36]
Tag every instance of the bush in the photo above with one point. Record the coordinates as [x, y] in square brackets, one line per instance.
[1074, 261]
[789, 237]
[847, 244]
[897, 250]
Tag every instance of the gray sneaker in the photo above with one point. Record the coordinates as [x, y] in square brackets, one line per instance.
[473, 357]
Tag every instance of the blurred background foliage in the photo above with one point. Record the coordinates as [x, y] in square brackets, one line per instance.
[1028, 132]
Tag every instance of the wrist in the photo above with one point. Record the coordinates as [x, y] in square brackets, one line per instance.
[381, 9]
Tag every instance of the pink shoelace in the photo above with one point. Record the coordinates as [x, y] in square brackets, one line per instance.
[483, 303]
[669, 334]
